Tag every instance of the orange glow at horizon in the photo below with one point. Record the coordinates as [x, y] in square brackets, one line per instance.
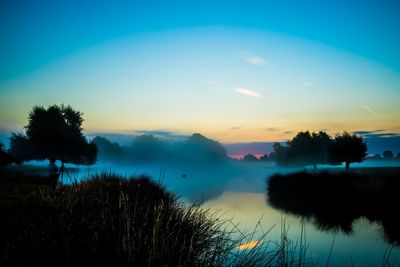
[241, 155]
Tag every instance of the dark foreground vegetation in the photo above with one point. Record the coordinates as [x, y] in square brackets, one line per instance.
[119, 221]
[334, 200]
[108, 221]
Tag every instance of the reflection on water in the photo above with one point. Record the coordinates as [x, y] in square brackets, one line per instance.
[365, 246]
[237, 191]
[333, 201]
[248, 245]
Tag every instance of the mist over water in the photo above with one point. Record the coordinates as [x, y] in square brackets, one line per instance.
[237, 190]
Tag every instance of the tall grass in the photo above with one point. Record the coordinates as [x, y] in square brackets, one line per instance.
[125, 221]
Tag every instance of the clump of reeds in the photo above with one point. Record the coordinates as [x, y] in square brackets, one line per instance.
[127, 221]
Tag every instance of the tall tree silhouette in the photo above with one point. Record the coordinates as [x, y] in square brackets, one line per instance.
[55, 132]
[304, 149]
[347, 148]
[388, 154]
[280, 154]
[308, 148]
[321, 143]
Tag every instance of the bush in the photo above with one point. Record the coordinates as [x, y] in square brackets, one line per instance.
[107, 221]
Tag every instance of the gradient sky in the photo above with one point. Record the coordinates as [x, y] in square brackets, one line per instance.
[233, 70]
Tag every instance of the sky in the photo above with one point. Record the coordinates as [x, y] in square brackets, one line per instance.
[236, 71]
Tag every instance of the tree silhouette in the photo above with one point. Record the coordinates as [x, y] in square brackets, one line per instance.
[107, 149]
[321, 143]
[250, 157]
[5, 158]
[347, 148]
[272, 156]
[304, 149]
[55, 132]
[388, 154]
[308, 149]
[280, 154]
[148, 148]
[198, 148]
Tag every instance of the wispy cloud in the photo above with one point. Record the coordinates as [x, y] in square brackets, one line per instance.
[382, 135]
[253, 59]
[376, 133]
[368, 132]
[247, 92]
[158, 133]
[235, 128]
[212, 82]
[271, 129]
[367, 108]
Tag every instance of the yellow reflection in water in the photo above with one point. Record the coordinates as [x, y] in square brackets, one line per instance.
[248, 245]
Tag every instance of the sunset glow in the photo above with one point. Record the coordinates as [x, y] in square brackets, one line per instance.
[229, 82]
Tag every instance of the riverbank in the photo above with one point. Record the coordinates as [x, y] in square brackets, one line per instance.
[72, 224]
[333, 200]
[109, 220]
[106, 220]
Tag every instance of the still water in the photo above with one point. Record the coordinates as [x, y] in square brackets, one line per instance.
[237, 190]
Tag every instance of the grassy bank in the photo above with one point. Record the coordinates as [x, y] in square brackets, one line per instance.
[120, 221]
[106, 220]
[334, 200]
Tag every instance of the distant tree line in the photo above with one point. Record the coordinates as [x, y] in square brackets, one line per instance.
[56, 133]
[386, 155]
[148, 148]
[317, 148]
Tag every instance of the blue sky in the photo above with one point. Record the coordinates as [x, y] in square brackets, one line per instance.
[35, 32]
[234, 70]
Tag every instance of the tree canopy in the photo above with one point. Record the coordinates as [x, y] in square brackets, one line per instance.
[304, 149]
[388, 154]
[55, 132]
[250, 157]
[264, 157]
[107, 150]
[347, 148]
[308, 148]
[319, 148]
[198, 148]
[280, 153]
[149, 148]
[6, 158]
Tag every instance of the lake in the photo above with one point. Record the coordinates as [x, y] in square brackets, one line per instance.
[237, 190]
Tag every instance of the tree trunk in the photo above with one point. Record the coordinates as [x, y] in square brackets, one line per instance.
[315, 166]
[347, 165]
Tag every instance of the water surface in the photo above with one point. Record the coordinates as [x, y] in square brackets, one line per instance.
[238, 191]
